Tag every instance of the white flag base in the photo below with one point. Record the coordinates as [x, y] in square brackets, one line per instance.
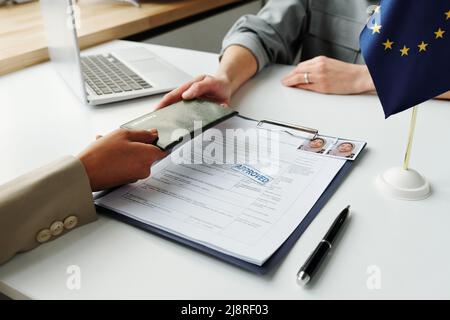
[402, 184]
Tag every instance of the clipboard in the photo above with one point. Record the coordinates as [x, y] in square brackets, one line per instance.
[277, 257]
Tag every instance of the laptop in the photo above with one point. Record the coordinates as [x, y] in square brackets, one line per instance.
[103, 78]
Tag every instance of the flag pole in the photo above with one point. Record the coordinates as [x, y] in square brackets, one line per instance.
[412, 127]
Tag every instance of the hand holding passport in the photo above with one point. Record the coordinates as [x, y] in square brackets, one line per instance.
[181, 115]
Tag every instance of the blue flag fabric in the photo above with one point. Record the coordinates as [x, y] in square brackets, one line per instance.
[406, 46]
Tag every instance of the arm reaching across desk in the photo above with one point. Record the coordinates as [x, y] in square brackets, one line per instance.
[48, 202]
[323, 35]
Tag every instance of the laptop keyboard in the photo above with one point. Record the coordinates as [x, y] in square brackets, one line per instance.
[104, 74]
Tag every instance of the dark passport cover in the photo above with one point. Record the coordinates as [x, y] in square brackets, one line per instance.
[188, 115]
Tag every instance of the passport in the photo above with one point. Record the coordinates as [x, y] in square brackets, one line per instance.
[190, 115]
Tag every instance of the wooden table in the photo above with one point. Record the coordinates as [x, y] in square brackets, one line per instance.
[22, 38]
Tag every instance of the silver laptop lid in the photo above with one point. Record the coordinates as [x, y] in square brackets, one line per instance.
[60, 21]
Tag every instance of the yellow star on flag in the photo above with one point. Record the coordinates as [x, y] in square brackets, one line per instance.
[423, 46]
[376, 28]
[447, 14]
[388, 44]
[404, 51]
[439, 33]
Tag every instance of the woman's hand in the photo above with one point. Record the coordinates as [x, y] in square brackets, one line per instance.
[331, 76]
[216, 89]
[237, 66]
[120, 157]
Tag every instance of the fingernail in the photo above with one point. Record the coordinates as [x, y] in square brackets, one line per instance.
[187, 95]
[153, 131]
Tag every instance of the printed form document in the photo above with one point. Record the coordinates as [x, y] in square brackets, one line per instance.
[222, 206]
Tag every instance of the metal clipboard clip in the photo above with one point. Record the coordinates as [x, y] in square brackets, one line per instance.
[311, 131]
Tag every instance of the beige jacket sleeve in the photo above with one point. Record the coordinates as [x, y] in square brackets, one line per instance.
[43, 205]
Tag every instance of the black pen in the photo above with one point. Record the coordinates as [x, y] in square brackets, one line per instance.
[311, 265]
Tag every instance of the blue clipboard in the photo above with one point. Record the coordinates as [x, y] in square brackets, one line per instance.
[276, 258]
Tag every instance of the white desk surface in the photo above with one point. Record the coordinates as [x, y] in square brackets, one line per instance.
[408, 241]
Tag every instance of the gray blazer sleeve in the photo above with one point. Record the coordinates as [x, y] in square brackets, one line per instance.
[43, 205]
[274, 34]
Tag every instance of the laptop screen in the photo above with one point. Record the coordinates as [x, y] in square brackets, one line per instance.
[61, 20]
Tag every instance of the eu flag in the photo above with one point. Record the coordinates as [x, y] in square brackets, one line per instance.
[406, 46]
